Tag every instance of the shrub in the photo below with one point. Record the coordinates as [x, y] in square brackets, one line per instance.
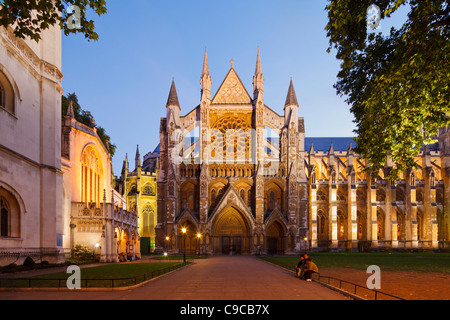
[81, 252]
[10, 268]
[29, 262]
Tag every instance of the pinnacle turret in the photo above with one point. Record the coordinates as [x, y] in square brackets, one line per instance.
[291, 98]
[173, 96]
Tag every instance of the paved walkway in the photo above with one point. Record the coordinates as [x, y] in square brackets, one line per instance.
[215, 278]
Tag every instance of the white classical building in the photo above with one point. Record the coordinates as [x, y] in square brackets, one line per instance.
[30, 153]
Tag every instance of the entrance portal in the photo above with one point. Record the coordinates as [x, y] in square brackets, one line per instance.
[230, 233]
[275, 239]
[231, 245]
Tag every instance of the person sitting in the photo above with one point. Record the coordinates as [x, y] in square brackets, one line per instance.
[299, 266]
[308, 269]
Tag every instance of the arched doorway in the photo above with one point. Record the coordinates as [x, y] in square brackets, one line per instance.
[231, 233]
[275, 239]
[187, 242]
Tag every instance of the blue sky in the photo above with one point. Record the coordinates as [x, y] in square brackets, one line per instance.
[124, 78]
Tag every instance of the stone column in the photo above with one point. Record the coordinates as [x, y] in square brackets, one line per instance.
[313, 220]
[388, 215]
[372, 214]
[352, 227]
[333, 234]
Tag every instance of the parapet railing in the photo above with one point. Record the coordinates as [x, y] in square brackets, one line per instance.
[86, 283]
[351, 287]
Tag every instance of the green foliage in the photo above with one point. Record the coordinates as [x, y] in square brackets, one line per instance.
[30, 17]
[397, 85]
[85, 117]
[81, 252]
[29, 262]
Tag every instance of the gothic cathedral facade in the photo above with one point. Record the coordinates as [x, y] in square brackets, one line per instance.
[238, 178]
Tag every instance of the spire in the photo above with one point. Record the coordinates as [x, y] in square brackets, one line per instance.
[311, 149]
[70, 112]
[258, 69]
[205, 70]
[258, 79]
[350, 150]
[331, 150]
[173, 96]
[138, 157]
[291, 98]
[125, 166]
[205, 80]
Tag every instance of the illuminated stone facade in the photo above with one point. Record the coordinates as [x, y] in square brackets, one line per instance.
[247, 181]
[139, 189]
[94, 213]
[233, 171]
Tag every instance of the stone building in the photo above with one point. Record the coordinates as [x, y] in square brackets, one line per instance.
[94, 213]
[241, 178]
[30, 152]
[232, 171]
[139, 190]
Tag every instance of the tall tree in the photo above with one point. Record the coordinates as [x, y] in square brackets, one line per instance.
[29, 18]
[397, 85]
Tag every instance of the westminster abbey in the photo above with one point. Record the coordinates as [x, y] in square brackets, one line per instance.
[237, 178]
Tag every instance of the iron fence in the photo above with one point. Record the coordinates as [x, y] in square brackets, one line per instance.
[350, 287]
[86, 283]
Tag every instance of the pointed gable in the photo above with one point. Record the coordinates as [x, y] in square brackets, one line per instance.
[232, 90]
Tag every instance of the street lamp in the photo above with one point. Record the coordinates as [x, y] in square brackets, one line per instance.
[167, 243]
[184, 244]
[198, 243]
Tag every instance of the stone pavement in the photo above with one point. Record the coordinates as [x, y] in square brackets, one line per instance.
[215, 278]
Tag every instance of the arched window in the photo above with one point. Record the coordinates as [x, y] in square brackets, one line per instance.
[2, 96]
[400, 229]
[191, 200]
[272, 201]
[213, 198]
[249, 197]
[420, 234]
[322, 226]
[313, 177]
[148, 223]
[133, 190]
[91, 176]
[341, 225]
[380, 225]
[9, 215]
[6, 94]
[242, 194]
[4, 215]
[360, 225]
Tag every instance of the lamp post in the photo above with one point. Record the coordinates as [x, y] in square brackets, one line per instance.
[184, 244]
[167, 244]
[198, 243]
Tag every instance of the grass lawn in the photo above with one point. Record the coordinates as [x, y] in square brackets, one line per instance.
[101, 276]
[178, 257]
[428, 262]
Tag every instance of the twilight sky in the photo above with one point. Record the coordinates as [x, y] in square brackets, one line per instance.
[124, 78]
